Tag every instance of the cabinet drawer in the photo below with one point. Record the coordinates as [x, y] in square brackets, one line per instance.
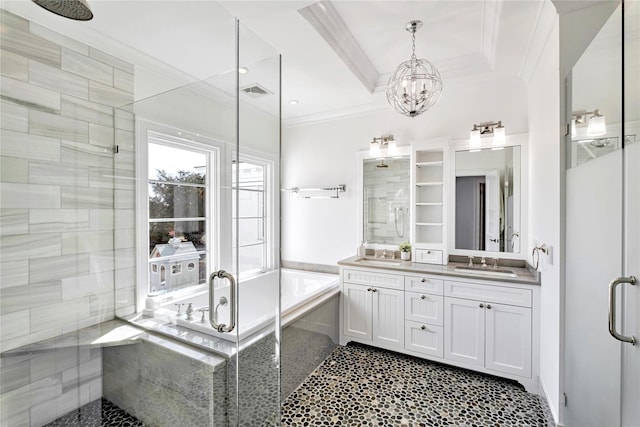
[370, 278]
[424, 284]
[428, 256]
[424, 308]
[422, 338]
[488, 293]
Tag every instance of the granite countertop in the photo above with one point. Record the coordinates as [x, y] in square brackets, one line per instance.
[524, 274]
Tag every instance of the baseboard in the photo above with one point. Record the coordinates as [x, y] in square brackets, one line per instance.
[550, 417]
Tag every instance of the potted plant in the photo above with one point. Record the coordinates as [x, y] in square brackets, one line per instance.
[405, 251]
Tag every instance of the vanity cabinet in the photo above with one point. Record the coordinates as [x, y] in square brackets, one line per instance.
[485, 325]
[482, 331]
[373, 313]
[424, 315]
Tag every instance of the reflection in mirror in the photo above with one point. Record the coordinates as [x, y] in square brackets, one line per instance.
[386, 195]
[487, 194]
[596, 80]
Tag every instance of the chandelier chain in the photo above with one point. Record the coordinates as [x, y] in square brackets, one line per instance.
[413, 45]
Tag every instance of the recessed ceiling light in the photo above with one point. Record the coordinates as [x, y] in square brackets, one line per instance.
[243, 70]
[294, 102]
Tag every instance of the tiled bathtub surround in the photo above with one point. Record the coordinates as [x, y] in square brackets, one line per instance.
[60, 257]
[362, 385]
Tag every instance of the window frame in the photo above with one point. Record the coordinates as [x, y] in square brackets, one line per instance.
[269, 200]
[151, 132]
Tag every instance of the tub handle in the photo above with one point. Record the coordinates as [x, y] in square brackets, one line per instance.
[232, 301]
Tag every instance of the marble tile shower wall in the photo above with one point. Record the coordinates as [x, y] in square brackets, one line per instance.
[63, 195]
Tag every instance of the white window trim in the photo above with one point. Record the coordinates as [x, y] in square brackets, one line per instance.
[269, 162]
[175, 137]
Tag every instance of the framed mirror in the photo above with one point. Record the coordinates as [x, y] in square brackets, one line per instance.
[487, 201]
[386, 200]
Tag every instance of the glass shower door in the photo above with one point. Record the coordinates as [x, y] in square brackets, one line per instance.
[602, 372]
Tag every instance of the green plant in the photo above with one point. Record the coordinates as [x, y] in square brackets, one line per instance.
[405, 247]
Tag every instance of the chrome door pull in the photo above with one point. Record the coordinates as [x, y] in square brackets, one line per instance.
[612, 309]
[232, 302]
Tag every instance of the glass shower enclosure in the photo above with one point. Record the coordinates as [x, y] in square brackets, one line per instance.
[140, 171]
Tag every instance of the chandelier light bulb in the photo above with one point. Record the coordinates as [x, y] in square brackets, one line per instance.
[474, 138]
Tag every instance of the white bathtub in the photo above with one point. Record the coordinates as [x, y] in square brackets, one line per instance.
[258, 302]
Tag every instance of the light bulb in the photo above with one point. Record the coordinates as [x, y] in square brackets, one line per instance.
[392, 148]
[474, 139]
[374, 149]
[499, 137]
[597, 125]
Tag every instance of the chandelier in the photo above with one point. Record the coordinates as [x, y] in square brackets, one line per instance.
[416, 84]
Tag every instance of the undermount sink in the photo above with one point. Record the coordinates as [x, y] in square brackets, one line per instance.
[380, 262]
[487, 271]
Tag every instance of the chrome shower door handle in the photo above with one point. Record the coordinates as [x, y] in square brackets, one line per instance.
[612, 309]
[221, 327]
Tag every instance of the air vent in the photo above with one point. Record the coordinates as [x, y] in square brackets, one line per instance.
[255, 90]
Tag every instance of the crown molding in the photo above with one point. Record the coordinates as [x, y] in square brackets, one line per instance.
[546, 18]
[490, 25]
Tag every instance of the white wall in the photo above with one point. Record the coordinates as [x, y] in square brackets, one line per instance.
[544, 202]
[323, 231]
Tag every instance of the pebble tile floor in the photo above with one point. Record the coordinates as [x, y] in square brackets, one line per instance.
[99, 413]
[358, 385]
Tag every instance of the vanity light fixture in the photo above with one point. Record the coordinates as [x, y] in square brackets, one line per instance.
[484, 129]
[596, 125]
[416, 84]
[384, 145]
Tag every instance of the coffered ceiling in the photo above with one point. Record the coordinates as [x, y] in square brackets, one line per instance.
[336, 57]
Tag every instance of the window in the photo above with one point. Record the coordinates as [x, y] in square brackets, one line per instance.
[178, 212]
[251, 214]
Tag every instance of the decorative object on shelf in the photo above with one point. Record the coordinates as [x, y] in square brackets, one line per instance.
[416, 84]
[596, 125]
[485, 129]
[383, 146]
[405, 251]
[320, 191]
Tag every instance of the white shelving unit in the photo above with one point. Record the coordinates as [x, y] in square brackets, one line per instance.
[429, 211]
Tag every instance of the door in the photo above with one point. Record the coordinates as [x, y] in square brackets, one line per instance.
[357, 311]
[388, 317]
[602, 373]
[464, 331]
[508, 339]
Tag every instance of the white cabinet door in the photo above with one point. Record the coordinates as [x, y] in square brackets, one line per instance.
[388, 317]
[422, 338]
[464, 331]
[424, 308]
[508, 339]
[357, 305]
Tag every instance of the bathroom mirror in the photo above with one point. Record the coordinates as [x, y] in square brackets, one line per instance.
[488, 199]
[386, 196]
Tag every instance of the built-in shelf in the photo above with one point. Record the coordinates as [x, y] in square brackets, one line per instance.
[429, 197]
[421, 164]
[425, 184]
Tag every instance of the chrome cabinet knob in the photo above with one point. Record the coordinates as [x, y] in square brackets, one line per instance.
[488, 306]
[374, 290]
[423, 297]
[368, 289]
[423, 327]
[481, 305]
[423, 280]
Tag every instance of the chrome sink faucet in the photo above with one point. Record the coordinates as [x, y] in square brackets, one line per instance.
[483, 262]
[470, 261]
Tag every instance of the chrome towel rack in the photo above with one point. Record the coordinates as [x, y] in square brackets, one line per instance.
[319, 191]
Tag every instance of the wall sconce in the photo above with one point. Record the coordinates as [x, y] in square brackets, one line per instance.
[383, 146]
[596, 125]
[484, 129]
